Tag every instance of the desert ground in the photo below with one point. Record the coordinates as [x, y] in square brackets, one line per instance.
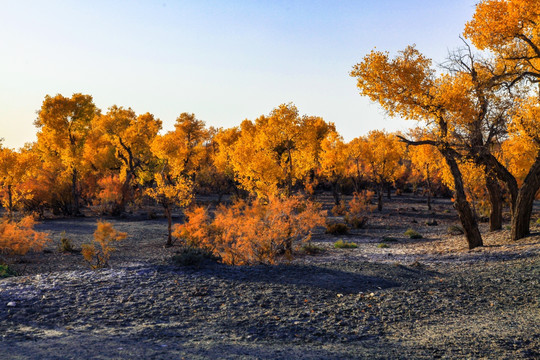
[407, 299]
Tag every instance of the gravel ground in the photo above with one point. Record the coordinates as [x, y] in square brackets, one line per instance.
[428, 298]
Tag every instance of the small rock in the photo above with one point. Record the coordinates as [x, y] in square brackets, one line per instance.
[11, 304]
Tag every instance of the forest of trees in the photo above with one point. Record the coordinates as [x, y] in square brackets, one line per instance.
[477, 135]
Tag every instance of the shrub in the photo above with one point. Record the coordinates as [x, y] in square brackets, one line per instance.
[537, 221]
[359, 207]
[97, 253]
[249, 233]
[339, 209]
[312, 249]
[65, 245]
[389, 239]
[340, 244]
[190, 256]
[110, 195]
[455, 230]
[337, 229]
[413, 234]
[6, 271]
[20, 237]
[382, 246]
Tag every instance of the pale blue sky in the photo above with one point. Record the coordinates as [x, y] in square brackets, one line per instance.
[225, 61]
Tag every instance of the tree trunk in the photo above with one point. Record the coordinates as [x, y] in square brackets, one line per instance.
[168, 213]
[75, 210]
[380, 197]
[10, 200]
[126, 193]
[336, 192]
[465, 213]
[389, 191]
[428, 183]
[495, 200]
[524, 203]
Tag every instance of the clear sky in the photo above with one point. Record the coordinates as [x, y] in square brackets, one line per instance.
[225, 60]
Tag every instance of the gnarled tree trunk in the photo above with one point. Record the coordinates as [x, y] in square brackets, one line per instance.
[495, 200]
[465, 213]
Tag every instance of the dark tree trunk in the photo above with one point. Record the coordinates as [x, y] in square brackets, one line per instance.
[168, 213]
[428, 184]
[126, 195]
[523, 209]
[75, 209]
[465, 213]
[389, 191]
[336, 192]
[380, 191]
[10, 200]
[495, 200]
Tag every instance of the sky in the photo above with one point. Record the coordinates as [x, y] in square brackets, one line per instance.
[224, 61]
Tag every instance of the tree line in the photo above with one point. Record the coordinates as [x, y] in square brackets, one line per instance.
[478, 135]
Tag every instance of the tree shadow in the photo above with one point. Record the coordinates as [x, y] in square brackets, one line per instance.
[358, 277]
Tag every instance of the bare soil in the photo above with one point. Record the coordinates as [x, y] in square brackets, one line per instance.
[410, 298]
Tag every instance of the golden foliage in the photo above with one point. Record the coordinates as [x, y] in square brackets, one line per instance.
[97, 253]
[359, 208]
[252, 233]
[20, 237]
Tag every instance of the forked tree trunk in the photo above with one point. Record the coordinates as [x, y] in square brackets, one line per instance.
[465, 213]
[496, 203]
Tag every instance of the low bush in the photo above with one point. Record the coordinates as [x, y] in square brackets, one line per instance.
[382, 246]
[189, 256]
[455, 230]
[252, 233]
[312, 249]
[413, 234]
[359, 207]
[339, 209]
[340, 244]
[337, 229]
[19, 237]
[65, 244]
[98, 252]
[356, 222]
[6, 271]
[389, 239]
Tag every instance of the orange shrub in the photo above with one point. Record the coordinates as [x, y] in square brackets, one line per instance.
[98, 252]
[110, 193]
[252, 233]
[359, 206]
[20, 237]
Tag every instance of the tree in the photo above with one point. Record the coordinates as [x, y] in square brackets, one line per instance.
[64, 124]
[10, 175]
[409, 87]
[428, 162]
[382, 153]
[178, 152]
[510, 29]
[273, 153]
[130, 136]
[333, 162]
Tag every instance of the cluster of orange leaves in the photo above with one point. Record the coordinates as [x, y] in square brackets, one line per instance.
[359, 207]
[20, 237]
[97, 253]
[252, 233]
